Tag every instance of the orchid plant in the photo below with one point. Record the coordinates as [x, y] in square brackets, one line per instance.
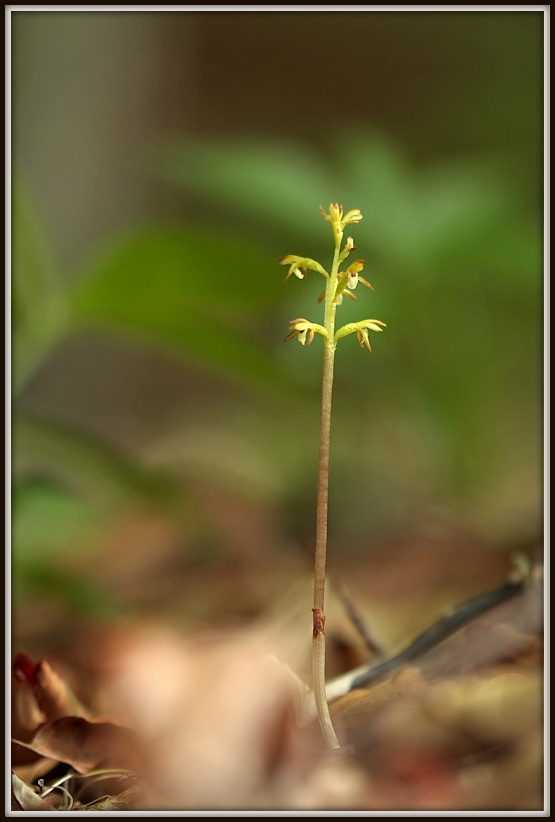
[338, 285]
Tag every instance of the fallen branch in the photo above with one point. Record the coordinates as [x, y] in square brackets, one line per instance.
[376, 670]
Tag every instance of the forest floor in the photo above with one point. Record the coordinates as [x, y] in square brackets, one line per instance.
[201, 699]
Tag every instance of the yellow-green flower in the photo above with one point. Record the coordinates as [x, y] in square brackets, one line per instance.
[336, 218]
[299, 265]
[305, 331]
[350, 279]
[361, 329]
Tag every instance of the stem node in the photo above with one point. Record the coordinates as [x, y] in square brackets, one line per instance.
[318, 622]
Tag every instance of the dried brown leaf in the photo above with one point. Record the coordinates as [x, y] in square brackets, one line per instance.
[35, 770]
[496, 710]
[39, 695]
[86, 745]
[54, 695]
[24, 798]
[443, 744]
[26, 713]
[26, 717]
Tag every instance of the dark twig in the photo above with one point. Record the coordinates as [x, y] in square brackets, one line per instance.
[358, 621]
[440, 630]
[526, 581]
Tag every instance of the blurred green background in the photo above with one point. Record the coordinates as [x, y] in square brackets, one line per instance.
[162, 163]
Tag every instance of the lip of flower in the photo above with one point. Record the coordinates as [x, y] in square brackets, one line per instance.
[349, 279]
[301, 328]
[354, 278]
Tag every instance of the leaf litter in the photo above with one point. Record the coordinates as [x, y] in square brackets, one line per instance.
[217, 719]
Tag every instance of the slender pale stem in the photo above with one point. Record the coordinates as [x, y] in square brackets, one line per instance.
[319, 638]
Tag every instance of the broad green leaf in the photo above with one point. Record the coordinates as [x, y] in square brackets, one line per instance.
[203, 295]
[38, 300]
[423, 218]
[455, 258]
[280, 183]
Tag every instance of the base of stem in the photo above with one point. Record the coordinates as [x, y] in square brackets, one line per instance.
[319, 685]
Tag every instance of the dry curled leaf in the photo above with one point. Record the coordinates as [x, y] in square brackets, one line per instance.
[26, 713]
[86, 745]
[34, 770]
[24, 798]
[39, 695]
[53, 698]
[54, 695]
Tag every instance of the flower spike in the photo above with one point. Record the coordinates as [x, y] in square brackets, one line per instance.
[338, 284]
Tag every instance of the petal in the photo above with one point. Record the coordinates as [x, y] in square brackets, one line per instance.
[355, 267]
[364, 340]
[366, 283]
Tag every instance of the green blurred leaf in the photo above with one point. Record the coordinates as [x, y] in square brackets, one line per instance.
[421, 218]
[415, 219]
[49, 520]
[91, 471]
[36, 578]
[281, 183]
[206, 296]
[456, 264]
[68, 487]
[39, 303]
